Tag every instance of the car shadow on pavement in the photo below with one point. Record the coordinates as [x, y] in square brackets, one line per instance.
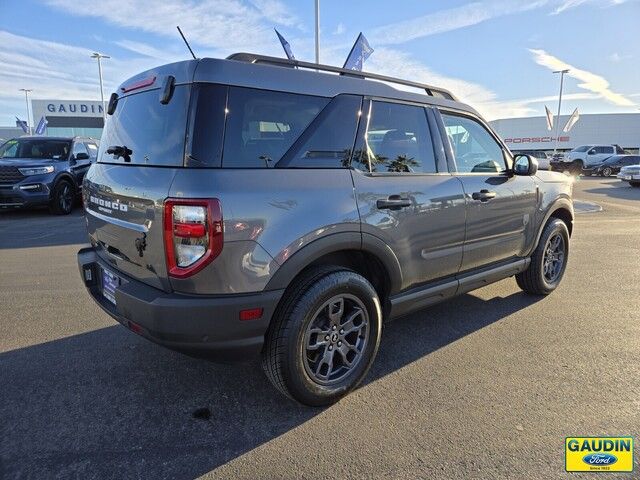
[621, 190]
[38, 228]
[109, 404]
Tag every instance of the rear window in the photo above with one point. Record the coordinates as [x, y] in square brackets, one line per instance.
[262, 125]
[153, 132]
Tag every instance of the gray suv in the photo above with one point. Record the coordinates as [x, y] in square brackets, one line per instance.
[242, 207]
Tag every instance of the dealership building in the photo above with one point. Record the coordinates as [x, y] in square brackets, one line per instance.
[531, 133]
[68, 118]
[65, 118]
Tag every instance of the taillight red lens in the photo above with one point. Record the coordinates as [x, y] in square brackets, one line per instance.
[189, 230]
[193, 234]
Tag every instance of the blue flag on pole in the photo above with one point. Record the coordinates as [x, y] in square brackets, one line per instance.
[285, 46]
[360, 51]
[42, 126]
[22, 124]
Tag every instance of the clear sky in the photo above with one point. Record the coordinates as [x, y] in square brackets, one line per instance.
[497, 55]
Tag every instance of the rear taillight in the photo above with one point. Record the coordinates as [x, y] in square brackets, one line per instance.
[193, 234]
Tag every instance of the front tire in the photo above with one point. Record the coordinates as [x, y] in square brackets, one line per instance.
[607, 171]
[634, 184]
[62, 198]
[577, 167]
[548, 262]
[324, 336]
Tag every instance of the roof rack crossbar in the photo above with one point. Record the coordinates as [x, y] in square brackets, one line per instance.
[254, 58]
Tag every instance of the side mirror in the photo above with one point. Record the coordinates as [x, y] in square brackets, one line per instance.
[591, 152]
[525, 165]
[82, 156]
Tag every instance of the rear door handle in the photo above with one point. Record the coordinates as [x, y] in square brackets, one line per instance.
[483, 195]
[394, 202]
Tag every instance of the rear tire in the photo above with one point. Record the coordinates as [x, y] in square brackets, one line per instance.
[548, 262]
[62, 198]
[606, 172]
[324, 336]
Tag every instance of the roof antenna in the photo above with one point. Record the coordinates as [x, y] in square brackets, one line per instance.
[186, 43]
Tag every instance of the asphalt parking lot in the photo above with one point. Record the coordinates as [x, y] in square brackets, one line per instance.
[484, 386]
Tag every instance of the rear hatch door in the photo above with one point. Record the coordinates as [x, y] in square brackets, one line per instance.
[124, 192]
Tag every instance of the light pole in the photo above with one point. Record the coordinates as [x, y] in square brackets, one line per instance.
[561, 72]
[26, 99]
[318, 31]
[99, 56]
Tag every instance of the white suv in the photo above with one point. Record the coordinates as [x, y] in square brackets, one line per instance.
[586, 156]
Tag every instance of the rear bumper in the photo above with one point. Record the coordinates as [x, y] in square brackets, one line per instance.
[628, 177]
[207, 326]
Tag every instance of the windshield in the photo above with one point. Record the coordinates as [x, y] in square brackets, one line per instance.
[39, 148]
[584, 148]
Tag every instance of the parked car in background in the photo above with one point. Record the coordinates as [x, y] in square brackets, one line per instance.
[38, 171]
[542, 157]
[585, 156]
[630, 174]
[611, 165]
[294, 209]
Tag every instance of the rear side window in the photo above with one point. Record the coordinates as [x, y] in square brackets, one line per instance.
[153, 132]
[398, 139]
[262, 125]
[328, 141]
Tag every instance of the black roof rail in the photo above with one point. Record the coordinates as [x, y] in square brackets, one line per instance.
[283, 62]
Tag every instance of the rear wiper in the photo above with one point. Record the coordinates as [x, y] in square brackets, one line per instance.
[120, 151]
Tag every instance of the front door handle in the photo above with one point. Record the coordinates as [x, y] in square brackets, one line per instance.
[483, 195]
[394, 202]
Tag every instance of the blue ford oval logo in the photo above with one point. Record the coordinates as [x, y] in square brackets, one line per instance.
[599, 459]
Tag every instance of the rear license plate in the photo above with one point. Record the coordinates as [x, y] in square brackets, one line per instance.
[110, 282]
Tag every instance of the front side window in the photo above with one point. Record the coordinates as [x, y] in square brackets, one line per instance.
[92, 148]
[474, 148]
[583, 148]
[79, 147]
[398, 139]
[262, 125]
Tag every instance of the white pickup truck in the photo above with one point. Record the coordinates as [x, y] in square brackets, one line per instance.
[586, 156]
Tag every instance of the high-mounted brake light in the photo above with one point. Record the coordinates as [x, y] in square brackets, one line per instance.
[193, 234]
[145, 82]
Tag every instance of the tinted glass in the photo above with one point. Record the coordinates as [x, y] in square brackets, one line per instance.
[631, 161]
[36, 148]
[79, 147]
[152, 131]
[398, 139]
[474, 148]
[328, 141]
[584, 148]
[262, 125]
[207, 117]
[92, 148]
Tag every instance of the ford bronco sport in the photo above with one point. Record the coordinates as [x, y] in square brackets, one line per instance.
[242, 207]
